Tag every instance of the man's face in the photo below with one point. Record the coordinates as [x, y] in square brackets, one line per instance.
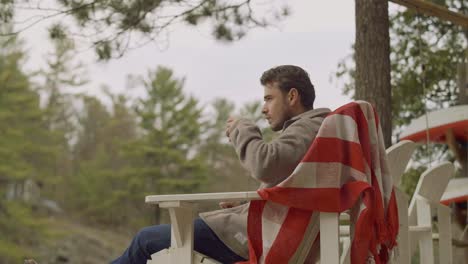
[276, 107]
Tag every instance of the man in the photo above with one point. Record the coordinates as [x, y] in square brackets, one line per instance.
[222, 235]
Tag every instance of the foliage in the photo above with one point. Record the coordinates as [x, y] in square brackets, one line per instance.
[425, 52]
[98, 161]
[21, 230]
[26, 145]
[419, 42]
[226, 173]
[425, 55]
[25, 152]
[116, 26]
[98, 188]
[410, 179]
[171, 125]
[124, 153]
[60, 75]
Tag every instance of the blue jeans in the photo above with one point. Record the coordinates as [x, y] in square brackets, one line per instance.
[152, 239]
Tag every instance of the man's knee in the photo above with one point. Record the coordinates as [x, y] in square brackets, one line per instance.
[144, 233]
[154, 238]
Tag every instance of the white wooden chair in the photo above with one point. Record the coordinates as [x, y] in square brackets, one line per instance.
[429, 190]
[182, 213]
[398, 156]
[457, 191]
[182, 208]
[417, 220]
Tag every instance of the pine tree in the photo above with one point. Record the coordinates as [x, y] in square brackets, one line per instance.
[166, 158]
[25, 153]
[99, 189]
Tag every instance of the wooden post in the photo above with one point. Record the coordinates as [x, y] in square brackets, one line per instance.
[345, 257]
[462, 83]
[404, 256]
[181, 231]
[329, 238]
[426, 248]
[445, 234]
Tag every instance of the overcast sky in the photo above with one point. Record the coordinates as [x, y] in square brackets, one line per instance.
[316, 36]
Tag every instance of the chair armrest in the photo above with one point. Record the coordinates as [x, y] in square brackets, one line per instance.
[180, 209]
[203, 197]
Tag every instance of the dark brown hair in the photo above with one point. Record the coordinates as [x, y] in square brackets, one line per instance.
[290, 76]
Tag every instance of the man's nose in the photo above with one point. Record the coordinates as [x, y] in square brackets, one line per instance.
[264, 110]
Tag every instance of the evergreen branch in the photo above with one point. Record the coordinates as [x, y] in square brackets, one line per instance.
[43, 18]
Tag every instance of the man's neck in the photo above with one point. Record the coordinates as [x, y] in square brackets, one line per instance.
[300, 110]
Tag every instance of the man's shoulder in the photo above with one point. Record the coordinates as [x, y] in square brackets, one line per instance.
[311, 117]
[318, 112]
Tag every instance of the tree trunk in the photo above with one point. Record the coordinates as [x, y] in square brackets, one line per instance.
[372, 47]
[463, 83]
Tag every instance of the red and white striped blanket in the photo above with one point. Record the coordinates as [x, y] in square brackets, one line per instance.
[344, 168]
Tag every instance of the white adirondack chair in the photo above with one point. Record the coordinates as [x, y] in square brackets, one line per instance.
[429, 190]
[398, 156]
[182, 208]
[457, 191]
[416, 222]
[182, 213]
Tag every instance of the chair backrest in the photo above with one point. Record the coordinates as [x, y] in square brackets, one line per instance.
[431, 186]
[457, 191]
[398, 156]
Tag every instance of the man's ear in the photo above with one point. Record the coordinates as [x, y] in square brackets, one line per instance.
[293, 96]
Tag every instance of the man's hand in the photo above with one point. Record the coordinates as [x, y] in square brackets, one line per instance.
[229, 123]
[230, 204]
